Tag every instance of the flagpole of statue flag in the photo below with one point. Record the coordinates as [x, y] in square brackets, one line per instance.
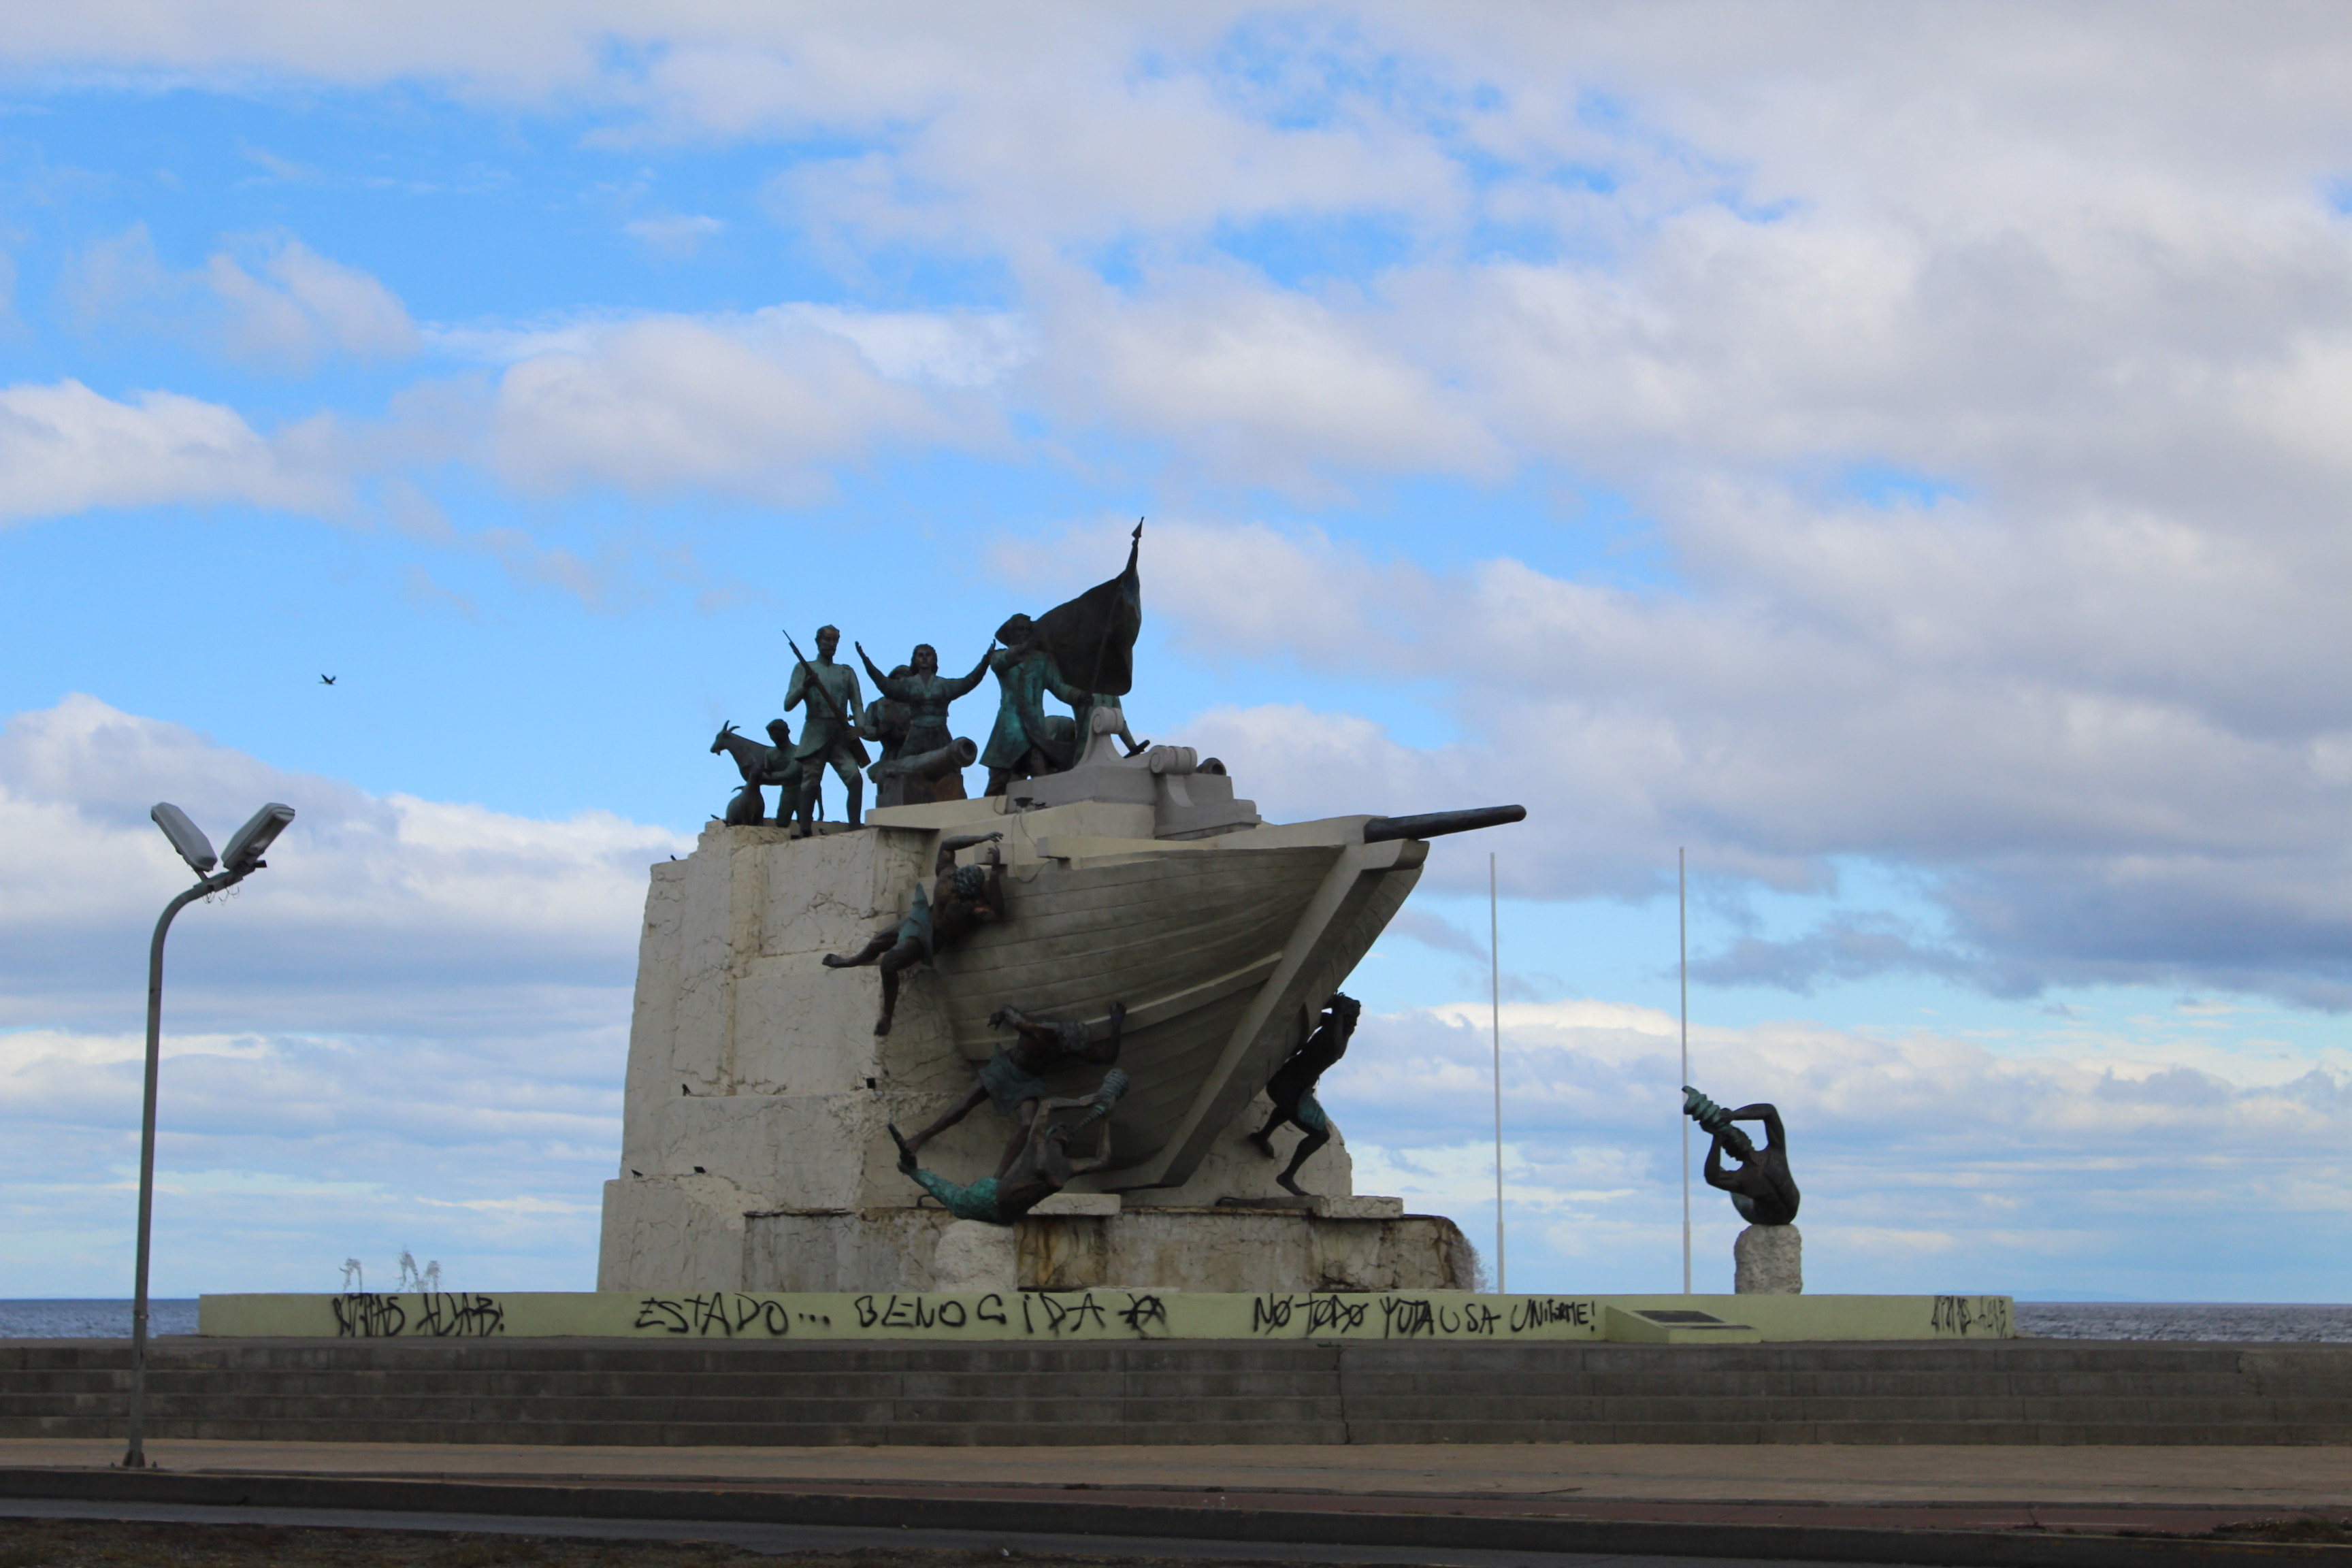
[1494, 997]
[1681, 921]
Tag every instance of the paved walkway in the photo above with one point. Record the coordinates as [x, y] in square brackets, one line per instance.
[1950, 1488]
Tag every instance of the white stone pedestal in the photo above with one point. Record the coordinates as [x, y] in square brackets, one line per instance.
[1768, 1260]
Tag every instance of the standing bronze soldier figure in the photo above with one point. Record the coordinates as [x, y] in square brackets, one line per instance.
[829, 732]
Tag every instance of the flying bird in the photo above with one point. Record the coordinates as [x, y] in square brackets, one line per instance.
[326, 680]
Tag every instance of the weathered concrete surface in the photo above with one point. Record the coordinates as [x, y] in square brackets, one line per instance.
[909, 1249]
[1768, 1260]
[720, 1390]
[2255, 1479]
[756, 1086]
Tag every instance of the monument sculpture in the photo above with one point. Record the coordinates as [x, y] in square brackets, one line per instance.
[760, 766]
[924, 694]
[1036, 1167]
[1023, 743]
[1014, 1078]
[828, 733]
[1176, 960]
[1768, 1257]
[963, 899]
[1292, 1088]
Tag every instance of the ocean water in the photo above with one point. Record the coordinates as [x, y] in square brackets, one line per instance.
[2232, 1321]
[2046, 1320]
[92, 1319]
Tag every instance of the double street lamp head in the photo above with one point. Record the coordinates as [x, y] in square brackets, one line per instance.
[244, 849]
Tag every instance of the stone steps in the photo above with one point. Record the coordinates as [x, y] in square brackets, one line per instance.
[669, 1393]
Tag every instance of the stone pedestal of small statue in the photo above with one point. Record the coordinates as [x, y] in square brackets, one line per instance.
[1768, 1260]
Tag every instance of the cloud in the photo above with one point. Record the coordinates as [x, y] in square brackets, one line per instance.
[65, 449]
[408, 1030]
[292, 308]
[2098, 813]
[304, 305]
[376, 914]
[1262, 386]
[1977, 388]
[675, 233]
[1928, 1160]
[760, 405]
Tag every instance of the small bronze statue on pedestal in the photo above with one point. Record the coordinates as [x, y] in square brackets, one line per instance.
[1292, 1087]
[1762, 1188]
[964, 899]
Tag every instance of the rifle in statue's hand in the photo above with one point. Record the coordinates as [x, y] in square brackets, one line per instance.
[815, 682]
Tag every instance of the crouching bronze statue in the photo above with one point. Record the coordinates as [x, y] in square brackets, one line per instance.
[1762, 1188]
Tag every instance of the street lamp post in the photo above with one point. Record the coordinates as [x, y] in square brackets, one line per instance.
[243, 858]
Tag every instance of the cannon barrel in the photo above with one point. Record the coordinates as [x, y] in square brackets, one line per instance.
[937, 764]
[1429, 825]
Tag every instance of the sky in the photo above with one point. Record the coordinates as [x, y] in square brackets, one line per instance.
[1893, 456]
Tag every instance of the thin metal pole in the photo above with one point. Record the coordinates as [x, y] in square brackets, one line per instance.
[136, 1458]
[1681, 920]
[1495, 953]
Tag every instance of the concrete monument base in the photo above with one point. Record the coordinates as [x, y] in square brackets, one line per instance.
[1768, 1260]
[1075, 1242]
[755, 1155]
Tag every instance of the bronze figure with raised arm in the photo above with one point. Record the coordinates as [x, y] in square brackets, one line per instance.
[1761, 1186]
[1023, 745]
[962, 899]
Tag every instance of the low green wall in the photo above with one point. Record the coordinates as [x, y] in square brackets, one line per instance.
[1103, 1315]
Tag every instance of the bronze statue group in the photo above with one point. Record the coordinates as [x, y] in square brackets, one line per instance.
[1081, 652]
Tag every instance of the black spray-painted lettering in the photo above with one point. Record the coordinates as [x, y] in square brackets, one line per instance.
[652, 1313]
[718, 1313]
[1057, 1314]
[1142, 1313]
[365, 1315]
[448, 1315]
[1404, 1318]
[1473, 1317]
[1969, 1315]
[1538, 1311]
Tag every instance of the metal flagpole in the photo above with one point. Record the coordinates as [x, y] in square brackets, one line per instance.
[1495, 953]
[1682, 919]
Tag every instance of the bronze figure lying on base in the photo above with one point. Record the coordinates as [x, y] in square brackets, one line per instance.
[1014, 1077]
[1040, 1165]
